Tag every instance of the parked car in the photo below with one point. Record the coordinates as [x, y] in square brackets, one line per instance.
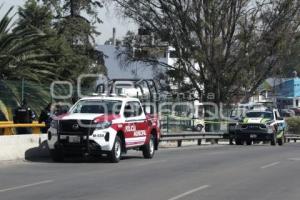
[296, 110]
[287, 113]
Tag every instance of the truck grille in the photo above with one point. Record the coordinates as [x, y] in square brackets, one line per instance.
[76, 127]
[251, 126]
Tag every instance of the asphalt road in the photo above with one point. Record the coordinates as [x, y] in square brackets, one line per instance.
[191, 173]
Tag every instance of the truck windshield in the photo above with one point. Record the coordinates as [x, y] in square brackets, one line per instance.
[268, 115]
[238, 112]
[97, 107]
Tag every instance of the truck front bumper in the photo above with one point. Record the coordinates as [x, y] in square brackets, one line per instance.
[98, 142]
[254, 135]
[84, 147]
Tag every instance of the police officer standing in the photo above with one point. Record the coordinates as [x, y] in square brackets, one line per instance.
[23, 115]
[45, 116]
[2, 118]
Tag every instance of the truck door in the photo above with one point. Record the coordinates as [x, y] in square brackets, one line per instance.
[135, 124]
[280, 121]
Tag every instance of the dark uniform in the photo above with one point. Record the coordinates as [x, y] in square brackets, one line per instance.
[23, 115]
[45, 116]
[2, 118]
[60, 109]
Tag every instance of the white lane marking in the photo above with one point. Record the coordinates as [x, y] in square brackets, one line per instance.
[26, 186]
[294, 159]
[270, 165]
[190, 192]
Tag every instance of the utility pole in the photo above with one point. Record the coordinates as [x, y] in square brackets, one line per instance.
[22, 92]
[114, 37]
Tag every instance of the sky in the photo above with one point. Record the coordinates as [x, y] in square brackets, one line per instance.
[107, 15]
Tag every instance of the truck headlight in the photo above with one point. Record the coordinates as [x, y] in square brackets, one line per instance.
[232, 126]
[263, 126]
[54, 124]
[103, 125]
[270, 129]
[49, 135]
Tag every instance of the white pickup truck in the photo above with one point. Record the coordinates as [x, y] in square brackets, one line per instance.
[260, 125]
[104, 125]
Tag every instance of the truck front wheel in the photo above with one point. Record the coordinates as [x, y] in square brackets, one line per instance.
[116, 152]
[273, 140]
[238, 142]
[56, 155]
[149, 149]
[199, 128]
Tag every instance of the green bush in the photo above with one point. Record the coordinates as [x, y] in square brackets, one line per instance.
[293, 124]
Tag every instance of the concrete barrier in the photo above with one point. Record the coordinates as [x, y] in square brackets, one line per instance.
[23, 147]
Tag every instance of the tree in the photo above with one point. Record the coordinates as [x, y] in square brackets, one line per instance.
[79, 32]
[77, 28]
[291, 61]
[21, 57]
[71, 59]
[18, 52]
[34, 15]
[227, 46]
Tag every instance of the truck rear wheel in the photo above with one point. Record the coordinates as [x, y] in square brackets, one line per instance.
[116, 152]
[149, 149]
[273, 140]
[238, 142]
[199, 128]
[56, 155]
[281, 140]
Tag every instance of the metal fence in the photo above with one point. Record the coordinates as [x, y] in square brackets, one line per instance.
[171, 124]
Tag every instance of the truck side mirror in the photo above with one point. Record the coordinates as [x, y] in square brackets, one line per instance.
[147, 110]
